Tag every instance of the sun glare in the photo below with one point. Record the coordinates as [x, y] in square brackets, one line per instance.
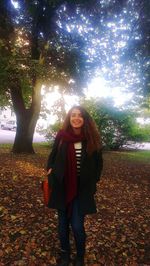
[15, 4]
[98, 88]
[50, 99]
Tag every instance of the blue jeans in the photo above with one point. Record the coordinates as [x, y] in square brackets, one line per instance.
[77, 223]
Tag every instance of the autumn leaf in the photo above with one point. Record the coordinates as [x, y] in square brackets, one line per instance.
[118, 234]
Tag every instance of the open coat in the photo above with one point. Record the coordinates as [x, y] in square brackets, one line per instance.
[90, 171]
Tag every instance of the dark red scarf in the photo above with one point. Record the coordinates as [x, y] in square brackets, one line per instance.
[71, 166]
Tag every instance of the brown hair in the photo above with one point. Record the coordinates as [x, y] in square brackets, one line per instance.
[90, 129]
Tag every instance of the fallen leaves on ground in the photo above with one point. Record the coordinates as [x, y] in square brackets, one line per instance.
[117, 235]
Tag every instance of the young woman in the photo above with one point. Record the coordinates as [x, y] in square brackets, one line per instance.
[74, 167]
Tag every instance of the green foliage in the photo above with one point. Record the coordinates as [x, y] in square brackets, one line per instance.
[67, 43]
[143, 133]
[26, 91]
[51, 131]
[138, 156]
[117, 127]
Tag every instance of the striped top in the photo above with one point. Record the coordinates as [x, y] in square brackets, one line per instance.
[78, 148]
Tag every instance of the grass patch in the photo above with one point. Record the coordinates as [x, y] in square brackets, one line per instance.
[6, 146]
[44, 148]
[37, 146]
[143, 156]
[41, 145]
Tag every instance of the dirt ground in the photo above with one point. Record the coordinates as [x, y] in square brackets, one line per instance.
[119, 234]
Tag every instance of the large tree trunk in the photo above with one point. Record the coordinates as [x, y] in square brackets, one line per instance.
[26, 118]
[26, 123]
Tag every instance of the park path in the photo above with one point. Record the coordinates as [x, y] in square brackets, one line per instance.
[116, 235]
[8, 136]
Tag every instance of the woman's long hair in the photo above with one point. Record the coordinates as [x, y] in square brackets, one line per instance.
[89, 128]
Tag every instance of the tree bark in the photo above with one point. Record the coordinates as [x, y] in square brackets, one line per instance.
[24, 134]
[26, 118]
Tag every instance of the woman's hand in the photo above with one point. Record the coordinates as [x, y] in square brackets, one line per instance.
[49, 171]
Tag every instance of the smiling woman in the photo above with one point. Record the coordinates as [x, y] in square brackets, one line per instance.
[74, 167]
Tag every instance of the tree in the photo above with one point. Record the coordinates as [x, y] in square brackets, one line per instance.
[66, 43]
[34, 56]
[117, 126]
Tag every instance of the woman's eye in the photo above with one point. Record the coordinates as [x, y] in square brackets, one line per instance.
[76, 115]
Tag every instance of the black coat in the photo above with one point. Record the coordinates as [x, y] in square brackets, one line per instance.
[90, 171]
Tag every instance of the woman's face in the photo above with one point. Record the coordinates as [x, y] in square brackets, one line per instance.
[76, 119]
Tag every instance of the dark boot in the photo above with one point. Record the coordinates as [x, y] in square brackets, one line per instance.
[65, 259]
[79, 261]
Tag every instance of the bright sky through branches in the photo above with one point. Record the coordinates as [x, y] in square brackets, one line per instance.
[15, 3]
[98, 88]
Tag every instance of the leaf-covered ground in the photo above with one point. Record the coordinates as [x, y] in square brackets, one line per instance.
[119, 234]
